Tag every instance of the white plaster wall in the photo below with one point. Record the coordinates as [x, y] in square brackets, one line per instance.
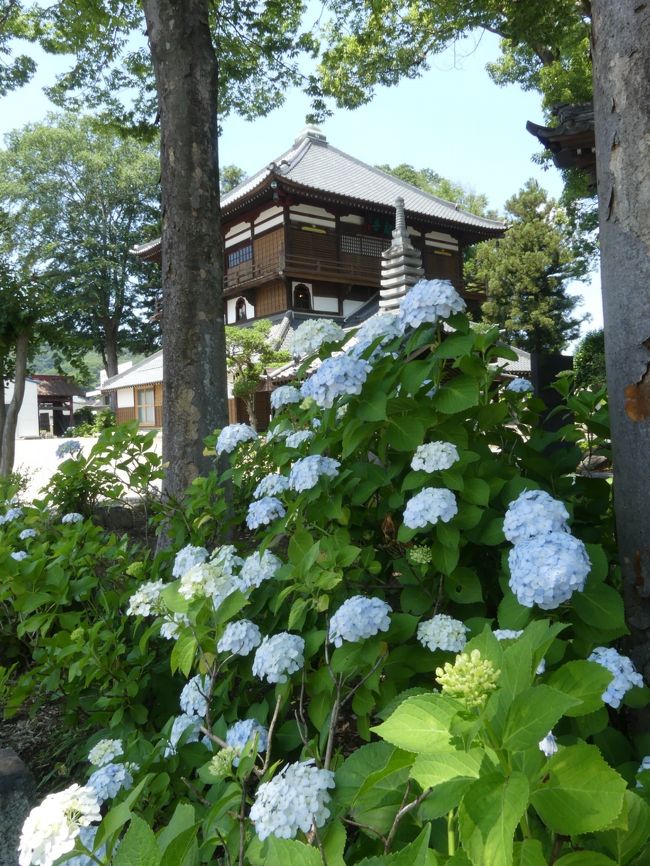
[28, 416]
[326, 305]
[125, 398]
[230, 310]
[350, 306]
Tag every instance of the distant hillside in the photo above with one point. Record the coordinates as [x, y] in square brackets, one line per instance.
[45, 364]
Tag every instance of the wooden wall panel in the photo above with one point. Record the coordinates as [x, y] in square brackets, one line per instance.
[439, 266]
[268, 247]
[270, 298]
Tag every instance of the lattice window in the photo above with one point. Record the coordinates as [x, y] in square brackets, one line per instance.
[237, 257]
[363, 246]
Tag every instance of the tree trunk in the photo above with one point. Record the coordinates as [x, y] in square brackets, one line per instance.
[3, 405]
[109, 349]
[249, 403]
[621, 59]
[194, 363]
[8, 449]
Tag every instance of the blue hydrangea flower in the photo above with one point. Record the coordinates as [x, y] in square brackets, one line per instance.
[335, 377]
[87, 837]
[435, 457]
[72, 446]
[643, 766]
[547, 569]
[195, 696]
[295, 440]
[105, 751]
[243, 732]
[271, 485]
[519, 386]
[109, 780]
[278, 657]
[181, 725]
[534, 512]
[264, 511]
[507, 633]
[625, 675]
[359, 618]
[285, 395]
[240, 638]
[384, 327]
[314, 333]
[233, 435]
[19, 555]
[257, 568]
[72, 517]
[27, 533]
[429, 506]
[306, 472]
[10, 515]
[429, 301]
[443, 632]
[293, 800]
[187, 558]
[548, 745]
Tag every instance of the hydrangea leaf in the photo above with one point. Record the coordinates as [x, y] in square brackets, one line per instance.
[138, 847]
[488, 816]
[182, 656]
[290, 852]
[436, 768]
[415, 854]
[183, 850]
[625, 844]
[457, 394]
[585, 858]
[421, 724]
[532, 714]
[372, 409]
[463, 586]
[404, 433]
[601, 606]
[583, 680]
[529, 853]
[580, 792]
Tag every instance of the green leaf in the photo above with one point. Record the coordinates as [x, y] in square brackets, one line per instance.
[533, 713]
[476, 491]
[529, 853]
[420, 724]
[183, 850]
[601, 606]
[585, 858]
[456, 395]
[138, 847]
[415, 854]
[583, 680]
[445, 559]
[182, 656]
[580, 792]
[463, 586]
[625, 844]
[454, 345]
[488, 817]
[436, 768]
[290, 852]
[182, 819]
[404, 433]
[373, 409]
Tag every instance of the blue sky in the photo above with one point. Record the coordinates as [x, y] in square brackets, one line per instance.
[453, 120]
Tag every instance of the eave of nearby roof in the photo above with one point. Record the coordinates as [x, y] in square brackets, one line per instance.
[148, 371]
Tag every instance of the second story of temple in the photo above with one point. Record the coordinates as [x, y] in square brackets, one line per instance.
[306, 235]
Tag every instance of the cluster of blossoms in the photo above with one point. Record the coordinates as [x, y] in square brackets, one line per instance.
[429, 301]
[10, 515]
[519, 386]
[383, 327]
[264, 511]
[195, 696]
[305, 473]
[146, 599]
[240, 638]
[295, 440]
[241, 733]
[625, 675]
[27, 533]
[470, 679]
[187, 558]
[548, 745]
[443, 632]
[214, 579]
[547, 564]
[51, 828]
[271, 485]
[188, 727]
[105, 751]
[293, 800]
[279, 656]
[19, 555]
[643, 766]
[430, 505]
[72, 517]
[435, 456]
[257, 568]
[335, 377]
[72, 446]
[359, 618]
[419, 554]
[314, 333]
[285, 395]
[233, 435]
[172, 625]
[109, 780]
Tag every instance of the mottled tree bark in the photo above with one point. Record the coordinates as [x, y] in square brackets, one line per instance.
[195, 396]
[621, 57]
[8, 449]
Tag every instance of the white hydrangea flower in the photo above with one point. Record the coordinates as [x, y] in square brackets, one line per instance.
[257, 568]
[359, 618]
[546, 570]
[293, 800]
[534, 512]
[278, 431]
[430, 505]
[195, 696]
[233, 435]
[191, 724]
[621, 667]
[27, 533]
[383, 327]
[336, 376]
[105, 751]
[271, 485]
[72, 517]
[314, 333]
[240, 638]
[295, 440]
[428, 301]
[187, 558]
[285, 395]
[146, 599]
[264, 511]
[434, 457]
[243, 732]
[644, 765]
[548, 745]
[51, 828]
[306, 472]
[19, 555]
[171, 627]
[10, 515]
[214, 579]
[279, 656]
[519, 386]
[507, 633]
[227, 558]
[72, 446]
[109, 780]
[443, 632]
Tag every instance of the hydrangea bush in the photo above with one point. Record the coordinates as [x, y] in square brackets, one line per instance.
[354, 679]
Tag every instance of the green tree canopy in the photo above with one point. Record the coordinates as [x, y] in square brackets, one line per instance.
[524, 274]
[589, 360]
[434, 183]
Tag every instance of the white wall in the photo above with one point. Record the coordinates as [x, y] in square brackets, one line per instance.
[125, 399]
[28, 415]
[230, 310]
[326, 305]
